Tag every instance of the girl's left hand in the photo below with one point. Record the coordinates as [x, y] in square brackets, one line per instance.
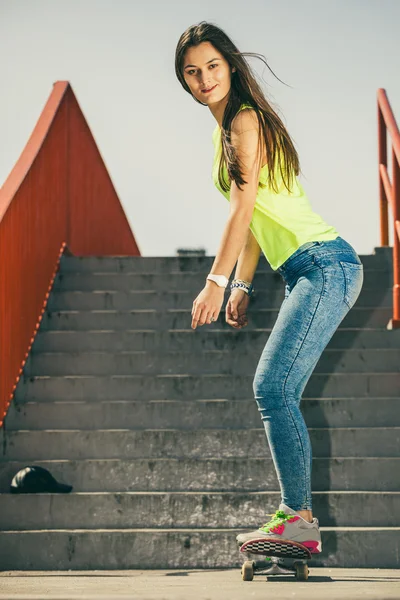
[207, 304]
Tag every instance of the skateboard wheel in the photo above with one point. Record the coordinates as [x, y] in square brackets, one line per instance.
[247, 570]
[301, 571]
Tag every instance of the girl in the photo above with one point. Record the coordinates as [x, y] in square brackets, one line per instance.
[256, 167]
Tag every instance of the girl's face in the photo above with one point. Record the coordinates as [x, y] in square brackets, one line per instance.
[204, 68]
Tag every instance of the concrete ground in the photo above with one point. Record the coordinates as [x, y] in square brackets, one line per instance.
[201, 584]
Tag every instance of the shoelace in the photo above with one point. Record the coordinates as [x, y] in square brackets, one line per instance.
[278, 518]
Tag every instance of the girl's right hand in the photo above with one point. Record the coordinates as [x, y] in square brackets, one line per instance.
[236, 307]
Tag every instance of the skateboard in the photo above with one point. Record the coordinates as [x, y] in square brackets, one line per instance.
[275, 552]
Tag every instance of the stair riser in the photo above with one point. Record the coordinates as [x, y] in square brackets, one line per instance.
[381, 259]
[218, 362]
[189, 415]
[164, 299]
[162, 320]
[349, 474]
[173, 387]
[75, 445]
[202, 339]
[230, 510]
[62, 550]
[193, 281]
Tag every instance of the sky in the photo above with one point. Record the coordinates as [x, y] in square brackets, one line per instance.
[155, 140]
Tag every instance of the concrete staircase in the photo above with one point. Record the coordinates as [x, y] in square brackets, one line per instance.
[156, 427]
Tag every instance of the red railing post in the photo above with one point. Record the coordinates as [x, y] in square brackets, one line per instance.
[389, 193]
[396, 239]
[382, 160]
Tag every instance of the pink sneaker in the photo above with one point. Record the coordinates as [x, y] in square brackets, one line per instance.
[287, 524]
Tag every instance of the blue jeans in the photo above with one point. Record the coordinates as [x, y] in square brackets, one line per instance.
[323, 281]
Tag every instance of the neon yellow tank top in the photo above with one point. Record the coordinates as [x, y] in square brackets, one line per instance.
[282, 222]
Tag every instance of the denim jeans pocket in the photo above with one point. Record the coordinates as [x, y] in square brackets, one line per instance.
[353, 281]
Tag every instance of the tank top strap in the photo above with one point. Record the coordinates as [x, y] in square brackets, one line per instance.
[245, 105]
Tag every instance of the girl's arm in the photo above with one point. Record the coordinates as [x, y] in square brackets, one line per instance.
[244, 138]
[248, 259]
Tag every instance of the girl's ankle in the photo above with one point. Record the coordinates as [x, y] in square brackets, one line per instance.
[306, 515]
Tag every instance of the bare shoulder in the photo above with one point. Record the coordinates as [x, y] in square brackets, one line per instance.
[244, 120]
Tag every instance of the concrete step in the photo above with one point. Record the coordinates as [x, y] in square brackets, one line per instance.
[202, 339]
[183, 299]
[134, 362]
[84, 320]
[205, 443]
[110, 510]
[186, 548]
[382, 258]
[190, 280]
[197, 387]
[195, 414]
[227, 474]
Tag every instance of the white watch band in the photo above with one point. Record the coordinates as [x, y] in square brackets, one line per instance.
[220, 280]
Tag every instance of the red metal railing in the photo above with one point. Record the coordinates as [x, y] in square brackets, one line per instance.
[58, 197]
[389, 193]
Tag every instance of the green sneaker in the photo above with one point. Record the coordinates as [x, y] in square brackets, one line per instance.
[288, 525]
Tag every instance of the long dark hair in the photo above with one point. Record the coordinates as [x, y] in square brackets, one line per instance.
[244, 89]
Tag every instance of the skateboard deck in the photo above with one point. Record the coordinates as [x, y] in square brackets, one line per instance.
[275, 551]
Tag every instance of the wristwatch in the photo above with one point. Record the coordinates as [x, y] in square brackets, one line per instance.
[220, 280]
